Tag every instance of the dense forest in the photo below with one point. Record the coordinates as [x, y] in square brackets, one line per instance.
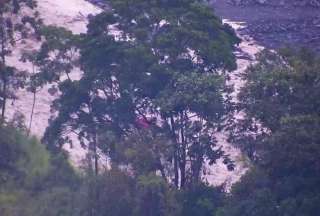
[153, 92]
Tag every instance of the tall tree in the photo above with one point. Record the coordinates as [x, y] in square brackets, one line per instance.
[152, 64]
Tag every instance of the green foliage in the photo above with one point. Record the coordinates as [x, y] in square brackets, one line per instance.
[151, 99]
[201, 200]
[36, 162]
[166, 67]
[15, 25]
[143, 151]
[31, 179]
[280, 86]
[21, 158]
[111, 193]
[281, 133]
[154, 197]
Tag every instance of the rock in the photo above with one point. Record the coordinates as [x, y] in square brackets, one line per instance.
[261, 1]
[282, 3]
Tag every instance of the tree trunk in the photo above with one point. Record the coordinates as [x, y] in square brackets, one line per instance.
[4, 102]
[32, 111]
[183, 153]
[175, 153]
[95, 152]
[3, 58]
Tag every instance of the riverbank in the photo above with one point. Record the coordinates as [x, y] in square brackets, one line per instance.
[275, 26]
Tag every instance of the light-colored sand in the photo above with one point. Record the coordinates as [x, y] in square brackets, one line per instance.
[71, 14]
[219, 173]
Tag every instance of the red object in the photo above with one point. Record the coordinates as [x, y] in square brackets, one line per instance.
[143, 123]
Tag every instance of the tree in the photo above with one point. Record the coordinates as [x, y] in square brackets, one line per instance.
[201, 200]
[33, 181]
[278, 86]
[280, 99]
[166, 67]
[154, 197]
[14, 27]
[53, 62]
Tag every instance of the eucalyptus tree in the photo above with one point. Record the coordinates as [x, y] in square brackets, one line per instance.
[152, 69]
[17, 22]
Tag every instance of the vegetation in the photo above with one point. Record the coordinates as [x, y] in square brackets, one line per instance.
[15, 26]
[157, 86]
[152, 95]
[280, 133]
